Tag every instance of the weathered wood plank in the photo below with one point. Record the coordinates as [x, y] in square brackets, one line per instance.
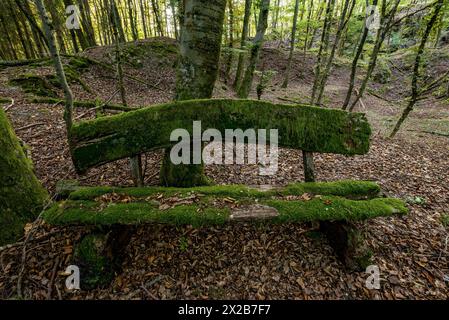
[220, 204]
[308, 128]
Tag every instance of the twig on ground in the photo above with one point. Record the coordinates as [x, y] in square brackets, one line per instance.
[10, 105]
[30, 126]
[52, 279]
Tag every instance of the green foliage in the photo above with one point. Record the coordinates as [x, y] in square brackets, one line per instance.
[382, 73]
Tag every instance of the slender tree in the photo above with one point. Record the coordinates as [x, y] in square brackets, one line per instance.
[52, 44]
[262, 25]
[416, 70]
[344, 19]
[245, 29]
[387, 20]
[292, 45]
[359, 52]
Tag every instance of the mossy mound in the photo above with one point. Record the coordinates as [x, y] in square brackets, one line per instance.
[34, 84]
[382, 73]
[47, 85]
[155, 51]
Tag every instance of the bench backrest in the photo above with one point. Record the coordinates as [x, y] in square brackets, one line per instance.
[308, 128]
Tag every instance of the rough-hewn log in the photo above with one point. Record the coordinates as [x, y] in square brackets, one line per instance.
[220, 204]
[312, 129]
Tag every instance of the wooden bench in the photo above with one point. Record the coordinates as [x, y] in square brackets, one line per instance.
[335, 205]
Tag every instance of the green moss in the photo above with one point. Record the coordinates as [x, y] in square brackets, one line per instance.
[344, 188]
[5, 100]
[95, 268]
[335, 208]
[34, 84]
[303, 127]
[206, 212]
[85, 212]
[382, 73]
[21, 194]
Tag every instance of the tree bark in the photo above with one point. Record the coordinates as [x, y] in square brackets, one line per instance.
[262, 25]
[200, 44]
[292, 45]
[357, 57]
[52, 44]
[416, 73]
[240, 64]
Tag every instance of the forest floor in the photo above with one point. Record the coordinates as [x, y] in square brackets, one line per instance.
[245, 261]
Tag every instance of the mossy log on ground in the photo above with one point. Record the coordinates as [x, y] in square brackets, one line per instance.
[204, 206]
[21, 194]
[313, 129]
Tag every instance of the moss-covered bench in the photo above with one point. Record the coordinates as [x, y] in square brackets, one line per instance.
[335, 205]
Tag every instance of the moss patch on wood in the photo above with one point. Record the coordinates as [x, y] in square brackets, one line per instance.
[215, 205]
[344, 188]
[303, 127]
[95, 268]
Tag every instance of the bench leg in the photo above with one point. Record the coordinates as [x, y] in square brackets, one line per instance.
[100, 255]
[347, 241]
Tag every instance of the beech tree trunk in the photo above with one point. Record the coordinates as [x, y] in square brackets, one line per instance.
[200, 44]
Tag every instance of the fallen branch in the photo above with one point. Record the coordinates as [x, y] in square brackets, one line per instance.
[10, 105]
[431, 132]
[18, 63]
[30, 126]
[52, 279]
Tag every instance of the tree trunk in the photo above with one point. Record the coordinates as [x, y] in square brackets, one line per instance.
[416, 73]
[132, 21]
[200, 43]
[292, 45]
[136, 161]
[324, 44]
[344, 19]
[21, 194]
[388, 20]
[309, 15]
[245, 87]
[174, 17]
[52, 44]
[356, 59]
[240, 64]
[157, 17]
[231, 42]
